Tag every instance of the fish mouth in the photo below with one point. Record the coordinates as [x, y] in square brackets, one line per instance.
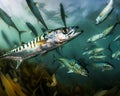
[73, 34]
[73, 31]
[76, 34]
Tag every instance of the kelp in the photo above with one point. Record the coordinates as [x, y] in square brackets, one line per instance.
[33, 79]
[8, 87]
[30, 79]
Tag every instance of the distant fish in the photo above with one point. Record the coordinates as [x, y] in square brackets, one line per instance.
[7, 19]
[116, 55]
[94, 51]
[98, 57]
[73, 66]
[106, 32]
[105, 12]
[53, 39]
[103, 66]
[62, 14]
[95, 37]
[36, 12]
[31, 27]
[110, 29]
[6, 38]
[117, 38]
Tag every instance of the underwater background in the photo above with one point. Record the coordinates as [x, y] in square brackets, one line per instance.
[80, 13]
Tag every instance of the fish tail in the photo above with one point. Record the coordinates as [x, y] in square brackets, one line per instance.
[2, 56]
[118, 20]
[21, 32]
[19, 61]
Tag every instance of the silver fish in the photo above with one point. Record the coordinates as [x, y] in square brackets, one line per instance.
[99, 57]
[105, 12]
[73, 66]
[37, 46]
[7, 19]
[31, 27]
[117, 38]
[95, 37]
[36, 12]
[103, 66]
[93, 51]
[116, 55]
[106, 32]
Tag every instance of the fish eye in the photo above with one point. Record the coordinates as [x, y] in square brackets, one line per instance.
[72, 63]
[76, 27]
[106, 66]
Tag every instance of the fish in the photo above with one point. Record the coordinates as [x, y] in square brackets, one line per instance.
[73, 66]
[31, 27]
[105, 33]
[62, 14]
[95, 37]
[98, 57]
[38, 46]
[36, 12]
[7, 19]
[110, 29]
[117, 38]
[94, 51]
[105, 12]
[116, 55]
[103, 66]
[6, 38]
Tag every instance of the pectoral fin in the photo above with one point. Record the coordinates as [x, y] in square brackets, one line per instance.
[18, 63]
[70, 71]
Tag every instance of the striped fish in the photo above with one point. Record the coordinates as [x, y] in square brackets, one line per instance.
[42, 44]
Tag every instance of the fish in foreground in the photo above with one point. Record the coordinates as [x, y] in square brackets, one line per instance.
[42, 44]
[73, 66]
[105, 12]
[103, 66]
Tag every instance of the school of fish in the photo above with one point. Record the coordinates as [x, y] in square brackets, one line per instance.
[52, 39]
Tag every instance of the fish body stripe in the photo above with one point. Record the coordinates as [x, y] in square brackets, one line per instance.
[30, 44]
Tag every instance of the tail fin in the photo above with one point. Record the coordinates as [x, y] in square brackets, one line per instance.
[2, 56]
[118, 21]
[19, 60]
[21, 32]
